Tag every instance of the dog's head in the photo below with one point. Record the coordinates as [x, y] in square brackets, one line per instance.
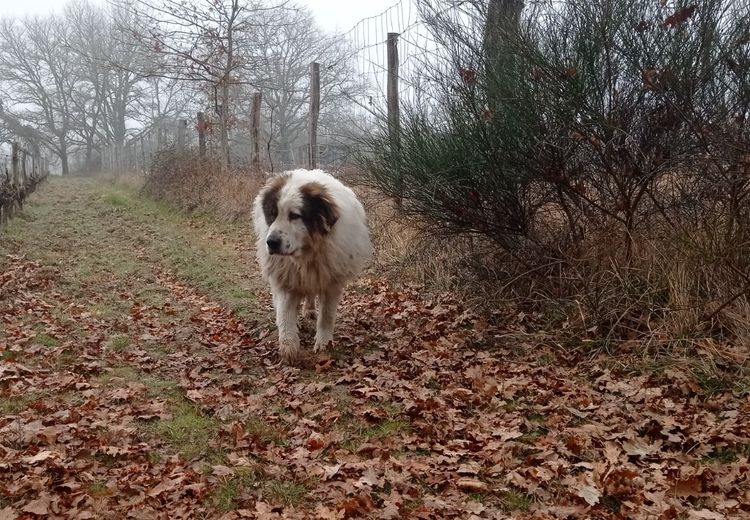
[298, 216]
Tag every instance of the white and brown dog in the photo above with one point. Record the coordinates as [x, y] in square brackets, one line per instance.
[312, 239]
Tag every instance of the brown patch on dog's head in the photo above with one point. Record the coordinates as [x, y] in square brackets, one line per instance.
[271, 198]
[319, 211]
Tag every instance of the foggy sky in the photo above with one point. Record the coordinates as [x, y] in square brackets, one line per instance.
[332, 15]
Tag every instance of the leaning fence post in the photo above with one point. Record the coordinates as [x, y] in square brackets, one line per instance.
[394, 122]
[312, 152]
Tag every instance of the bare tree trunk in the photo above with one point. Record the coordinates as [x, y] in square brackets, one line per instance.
[502, 26]
[224, 115]
[63, 154]
[224, 123]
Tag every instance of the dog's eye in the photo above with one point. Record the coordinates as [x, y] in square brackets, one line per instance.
[294, 216]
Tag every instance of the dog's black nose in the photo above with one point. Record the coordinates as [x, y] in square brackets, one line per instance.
[274, 244]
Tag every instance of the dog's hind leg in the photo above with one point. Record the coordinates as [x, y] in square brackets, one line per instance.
[329, 302]
[287, 306]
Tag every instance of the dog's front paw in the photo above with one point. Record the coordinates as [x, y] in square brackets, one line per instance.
[322, 340]
[289, 350]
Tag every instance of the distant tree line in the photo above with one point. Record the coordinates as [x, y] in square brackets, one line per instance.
[92, 76]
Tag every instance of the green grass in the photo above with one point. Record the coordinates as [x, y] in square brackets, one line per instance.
[514, 501]
[727, 455]
[227, 491]
[188, 431]
[210, 267]
[116, 199]
[712, 384]
[46, 340]
[15, 404]
[119, 342]
[98, 488]
[9, 355]
[285, 492]
[532, 436]
[511, 405]
[358, 432]
[253, 479]
[104, 235]
[387, 428]
[536, 417]
[265, 432]
[226, 494]
[126, 373]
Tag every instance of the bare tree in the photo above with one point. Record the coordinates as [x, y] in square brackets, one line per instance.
[287, 41]
[203, 41]
[111, 69]
[40, 78]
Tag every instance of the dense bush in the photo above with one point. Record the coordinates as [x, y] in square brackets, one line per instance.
[607, 139]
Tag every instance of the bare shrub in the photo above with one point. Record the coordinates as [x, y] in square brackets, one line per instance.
[602, 147]
[196, 183]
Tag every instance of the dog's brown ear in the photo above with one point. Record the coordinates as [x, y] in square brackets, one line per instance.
[319, 211]
[271, 198]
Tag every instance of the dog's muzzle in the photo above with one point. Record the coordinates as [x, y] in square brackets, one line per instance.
[274, 244]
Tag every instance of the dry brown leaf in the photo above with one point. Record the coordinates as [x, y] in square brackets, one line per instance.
[40, 506]
[690, 486]
[471, 484]
[8, 513]
[590, 494]
[39, 457]
[359, 505]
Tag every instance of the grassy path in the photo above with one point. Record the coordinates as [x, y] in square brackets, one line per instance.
[139, 379]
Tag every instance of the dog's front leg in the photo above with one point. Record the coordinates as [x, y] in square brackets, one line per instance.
[329, 301]
[287, 305]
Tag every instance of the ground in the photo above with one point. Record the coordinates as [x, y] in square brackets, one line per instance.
[140, 379]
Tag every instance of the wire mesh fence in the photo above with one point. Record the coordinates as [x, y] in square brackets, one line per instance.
[250, 139]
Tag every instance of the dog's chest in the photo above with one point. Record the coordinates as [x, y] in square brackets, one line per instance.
[302, 277]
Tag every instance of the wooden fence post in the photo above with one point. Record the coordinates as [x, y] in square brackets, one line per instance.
[24, 172]
[143, 154]
[150, 137]
[14, 174]
[180, 138]
[394, 120]
[312, 152]
[14, 163]
[257, 99]
[201, 134]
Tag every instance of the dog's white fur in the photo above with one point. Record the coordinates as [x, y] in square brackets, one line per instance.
[318, 254]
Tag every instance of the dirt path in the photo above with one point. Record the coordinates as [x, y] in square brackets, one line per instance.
[139, 379]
